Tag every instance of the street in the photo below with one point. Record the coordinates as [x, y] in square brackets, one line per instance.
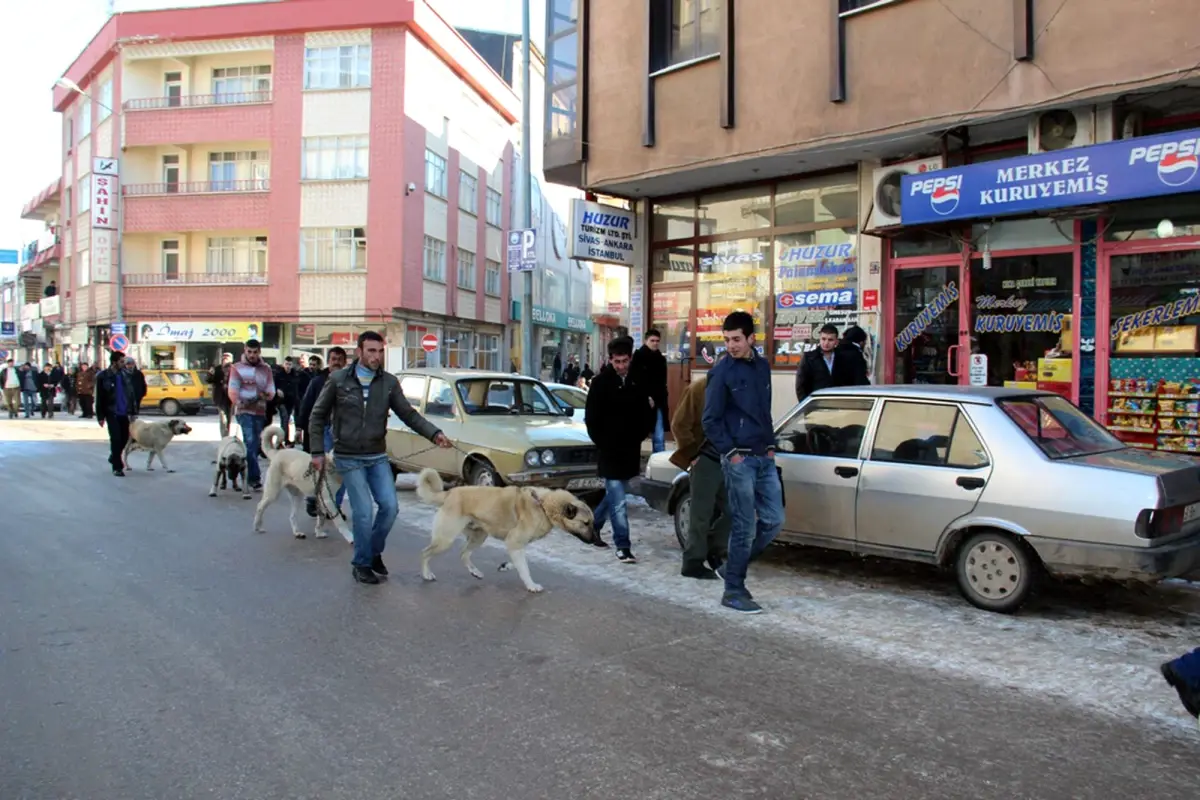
[153, 647]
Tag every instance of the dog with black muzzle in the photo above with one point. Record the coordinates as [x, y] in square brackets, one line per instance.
[231, 465]
[154, 437]
[516, 515]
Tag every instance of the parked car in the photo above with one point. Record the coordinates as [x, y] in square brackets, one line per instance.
[1002, 485]
[176, 390]
[569, 396]
[512, 429]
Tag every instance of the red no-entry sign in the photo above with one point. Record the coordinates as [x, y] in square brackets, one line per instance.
[429, 343]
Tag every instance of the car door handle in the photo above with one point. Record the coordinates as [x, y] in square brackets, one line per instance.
[970, 483]
[845, 472]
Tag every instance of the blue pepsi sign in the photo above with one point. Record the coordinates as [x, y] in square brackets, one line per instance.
[1148, 166]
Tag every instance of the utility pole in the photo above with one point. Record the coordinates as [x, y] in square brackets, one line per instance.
[528, 365]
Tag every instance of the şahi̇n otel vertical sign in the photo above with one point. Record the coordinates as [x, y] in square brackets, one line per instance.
[106, 185]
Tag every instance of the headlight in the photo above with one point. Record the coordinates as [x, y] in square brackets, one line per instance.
[532, 458]
[548, 458]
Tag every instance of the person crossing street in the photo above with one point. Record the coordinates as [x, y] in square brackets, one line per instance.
[116, 406]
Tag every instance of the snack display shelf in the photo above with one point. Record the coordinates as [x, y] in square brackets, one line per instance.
[1123, 412]
[1139, 394]
[1122, 429]
[1174, 415]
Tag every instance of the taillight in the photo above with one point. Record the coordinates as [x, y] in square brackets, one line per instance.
[1159, 522]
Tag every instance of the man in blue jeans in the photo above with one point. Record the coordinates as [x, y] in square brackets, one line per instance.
[251, 387]
[1184, 676]
[356, 401]
[737, 421]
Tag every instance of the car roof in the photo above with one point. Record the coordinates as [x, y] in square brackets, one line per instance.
[984, 395]
[455, 374]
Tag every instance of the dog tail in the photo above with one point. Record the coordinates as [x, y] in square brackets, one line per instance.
[430, 488]
[272, 440]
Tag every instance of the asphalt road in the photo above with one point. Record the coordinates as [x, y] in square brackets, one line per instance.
[152, 647]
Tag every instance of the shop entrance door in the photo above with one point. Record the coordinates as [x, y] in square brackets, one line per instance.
[928, 323]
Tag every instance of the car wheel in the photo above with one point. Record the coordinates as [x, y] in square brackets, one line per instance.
[483, 474]
[683, 513]
[169, 407]
[995, 571]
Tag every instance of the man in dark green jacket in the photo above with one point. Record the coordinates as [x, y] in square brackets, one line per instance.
[356, 401]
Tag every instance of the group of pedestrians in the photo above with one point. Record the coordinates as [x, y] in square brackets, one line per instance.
[31, 391]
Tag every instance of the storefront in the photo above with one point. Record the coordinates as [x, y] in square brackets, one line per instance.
[452, 344]
[1076, 271]
[198, 345]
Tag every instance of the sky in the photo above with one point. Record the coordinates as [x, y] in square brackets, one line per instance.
[32, 133]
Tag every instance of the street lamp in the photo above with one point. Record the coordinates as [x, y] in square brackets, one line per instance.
[118, 293]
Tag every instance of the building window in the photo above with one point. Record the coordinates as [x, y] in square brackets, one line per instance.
[336, 158]
[345, 67]
[562, 69]
[242, 255]
[105, 99]
[242, 170]
[491, 278]
[85, 193]
[85, 118]
[85, 267]
[415, 356]
[241, 84]
[435, 259]
[685, 30]
[848, 7]
[333, 249]
[495, 203]
[435, 174]
[468, 192]
[70, 134]
[170, 259]
[456, 349]
[466, 269]
[487, 354]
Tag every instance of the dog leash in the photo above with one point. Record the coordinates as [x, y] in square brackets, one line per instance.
[326, 496]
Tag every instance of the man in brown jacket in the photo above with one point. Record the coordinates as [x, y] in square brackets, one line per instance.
[708, 523]
[85, 386]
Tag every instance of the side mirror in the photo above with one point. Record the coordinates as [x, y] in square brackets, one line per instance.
[567, 410]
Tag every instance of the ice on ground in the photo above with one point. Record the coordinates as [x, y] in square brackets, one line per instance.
[1094, 647]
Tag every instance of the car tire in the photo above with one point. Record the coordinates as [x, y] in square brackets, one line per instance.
[683, 515]
[482, 473]
[995, 571]
[169, 407]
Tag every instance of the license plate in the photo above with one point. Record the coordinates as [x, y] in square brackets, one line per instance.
[594, 483]
[1191, 512]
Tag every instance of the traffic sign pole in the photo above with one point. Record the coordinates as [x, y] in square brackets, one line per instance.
[527, 365]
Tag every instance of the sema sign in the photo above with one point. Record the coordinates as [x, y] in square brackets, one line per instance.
[602, 233]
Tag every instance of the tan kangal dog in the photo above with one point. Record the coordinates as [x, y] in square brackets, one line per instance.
[153, 436]
[515, 515]
[291, 470]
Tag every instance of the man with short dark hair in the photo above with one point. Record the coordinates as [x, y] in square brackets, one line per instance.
[251, 387]
[337, 361]
[116, 407]
[362, 394]
[649, 370]
[737, 420]
[618, 419]
[830, 365]
[10, 382]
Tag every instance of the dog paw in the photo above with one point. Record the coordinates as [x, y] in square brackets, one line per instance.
[427, 575]
[170, 470]
[475, 573]
[322, 535]
[534, 587]
[212, 494]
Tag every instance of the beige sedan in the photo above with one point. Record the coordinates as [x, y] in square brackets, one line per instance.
[508, 429]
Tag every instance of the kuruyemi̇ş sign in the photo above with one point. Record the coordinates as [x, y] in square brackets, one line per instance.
[1158, 315]
[926, 316]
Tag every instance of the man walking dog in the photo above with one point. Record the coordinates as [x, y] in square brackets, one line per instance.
[356, 401]
[251, 387]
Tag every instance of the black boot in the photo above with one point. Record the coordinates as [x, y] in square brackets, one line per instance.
[364, 574]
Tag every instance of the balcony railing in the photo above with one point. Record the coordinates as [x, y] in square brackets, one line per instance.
[51, 306]
[196, 279]
[197, 101]
[196, 187]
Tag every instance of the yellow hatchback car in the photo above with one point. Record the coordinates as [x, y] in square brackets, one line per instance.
[176, 390]
[510, 430]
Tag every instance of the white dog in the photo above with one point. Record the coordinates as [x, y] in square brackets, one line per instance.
[231, 464]
[292, 470]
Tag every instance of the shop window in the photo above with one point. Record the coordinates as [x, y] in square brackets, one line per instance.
[487, 356]
[926, 244]
[926, 324]
[734, 276]
[1022, 234]
[816, 283]
[674, 220]
[440, 402]
[457, 349]
[414, 354]
[1154, 368]
[734, 212]
[832, 428]
[1021, 320]
[673, 265]
[815, 200]
[1143, 220]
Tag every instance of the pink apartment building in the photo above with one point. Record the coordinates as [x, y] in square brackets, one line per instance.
[299, 170]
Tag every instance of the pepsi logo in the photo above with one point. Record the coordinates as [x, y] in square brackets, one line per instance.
[944, 200]
[943, 192]
[1176, 170]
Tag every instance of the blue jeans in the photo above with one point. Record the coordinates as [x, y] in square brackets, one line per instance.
[341, 492]
[29, 401]
[1188, 667]
[658, 439]
[252, 428]
[368, 481]
[753, 490]
[613, 507]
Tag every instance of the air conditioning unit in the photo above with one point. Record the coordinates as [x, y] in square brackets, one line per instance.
[1131, 125]
[1062, 128]
[885, 189]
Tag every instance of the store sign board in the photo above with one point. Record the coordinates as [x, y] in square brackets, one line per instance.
[102, 255]
[198, 331]
[1146, 166]
[105, 187]
[1158, 315]
[603, 233]
[553, 318]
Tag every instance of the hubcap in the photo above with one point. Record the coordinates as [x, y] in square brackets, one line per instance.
[683, 513]
[484, 478]
[993, 569]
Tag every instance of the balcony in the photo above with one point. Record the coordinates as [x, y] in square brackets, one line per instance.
[46, 204]
[197, 279]
[50, 306]
[195, 294]
[197, 118]
[195, 206]
[44, 258]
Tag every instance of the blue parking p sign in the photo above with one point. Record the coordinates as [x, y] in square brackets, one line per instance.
[8, 328]
[522, 250]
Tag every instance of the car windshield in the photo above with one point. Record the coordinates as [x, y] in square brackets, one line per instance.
[505, 396]
[1059, 428]
[572, 397]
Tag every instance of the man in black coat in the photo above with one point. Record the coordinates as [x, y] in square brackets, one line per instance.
[830, 365]
[650, 371]
[116, 406]
[618, 418]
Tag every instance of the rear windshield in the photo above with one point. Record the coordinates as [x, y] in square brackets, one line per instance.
[1059, 428]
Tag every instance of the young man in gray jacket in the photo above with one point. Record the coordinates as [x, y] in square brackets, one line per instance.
[356, 401]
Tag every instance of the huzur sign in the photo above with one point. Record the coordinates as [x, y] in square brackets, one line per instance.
[602, 233]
